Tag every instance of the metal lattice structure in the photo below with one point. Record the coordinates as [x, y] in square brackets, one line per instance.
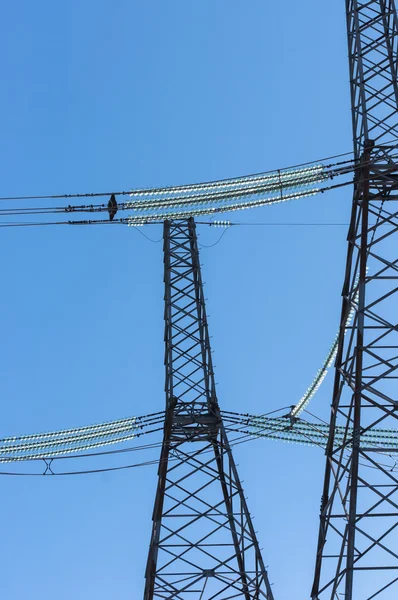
[357, 554]
[203, 545]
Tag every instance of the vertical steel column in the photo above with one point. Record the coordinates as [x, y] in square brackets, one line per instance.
[357, 554]
[203, 545]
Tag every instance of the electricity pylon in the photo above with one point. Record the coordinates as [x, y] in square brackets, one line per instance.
[203, 545]
[357, 555]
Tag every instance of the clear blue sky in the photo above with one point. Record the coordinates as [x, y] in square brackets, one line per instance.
[102, 95]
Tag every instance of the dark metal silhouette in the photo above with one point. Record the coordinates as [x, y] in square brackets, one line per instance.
[203, 545]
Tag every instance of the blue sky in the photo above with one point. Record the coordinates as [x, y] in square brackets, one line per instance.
[112, 95]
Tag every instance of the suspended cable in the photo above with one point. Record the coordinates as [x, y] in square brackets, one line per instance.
[281, 428]
[155, 205]
[128, 192]
[243, 437]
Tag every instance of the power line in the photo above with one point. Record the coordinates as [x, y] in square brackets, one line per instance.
[149, 190]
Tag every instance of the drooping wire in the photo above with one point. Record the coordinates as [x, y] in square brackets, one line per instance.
[215, 243]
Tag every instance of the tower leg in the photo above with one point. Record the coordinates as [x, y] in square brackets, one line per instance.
[203, 545]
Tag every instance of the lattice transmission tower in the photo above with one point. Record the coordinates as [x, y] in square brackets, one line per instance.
[203, 545]
[357, 555]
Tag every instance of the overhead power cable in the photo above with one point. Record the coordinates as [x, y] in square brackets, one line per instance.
[350, 162]
[66, 442]
[328, 362]
[305, 432]
[158, 204]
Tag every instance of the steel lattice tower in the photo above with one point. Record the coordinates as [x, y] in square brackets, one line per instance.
[203, 545]
[357, 554]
